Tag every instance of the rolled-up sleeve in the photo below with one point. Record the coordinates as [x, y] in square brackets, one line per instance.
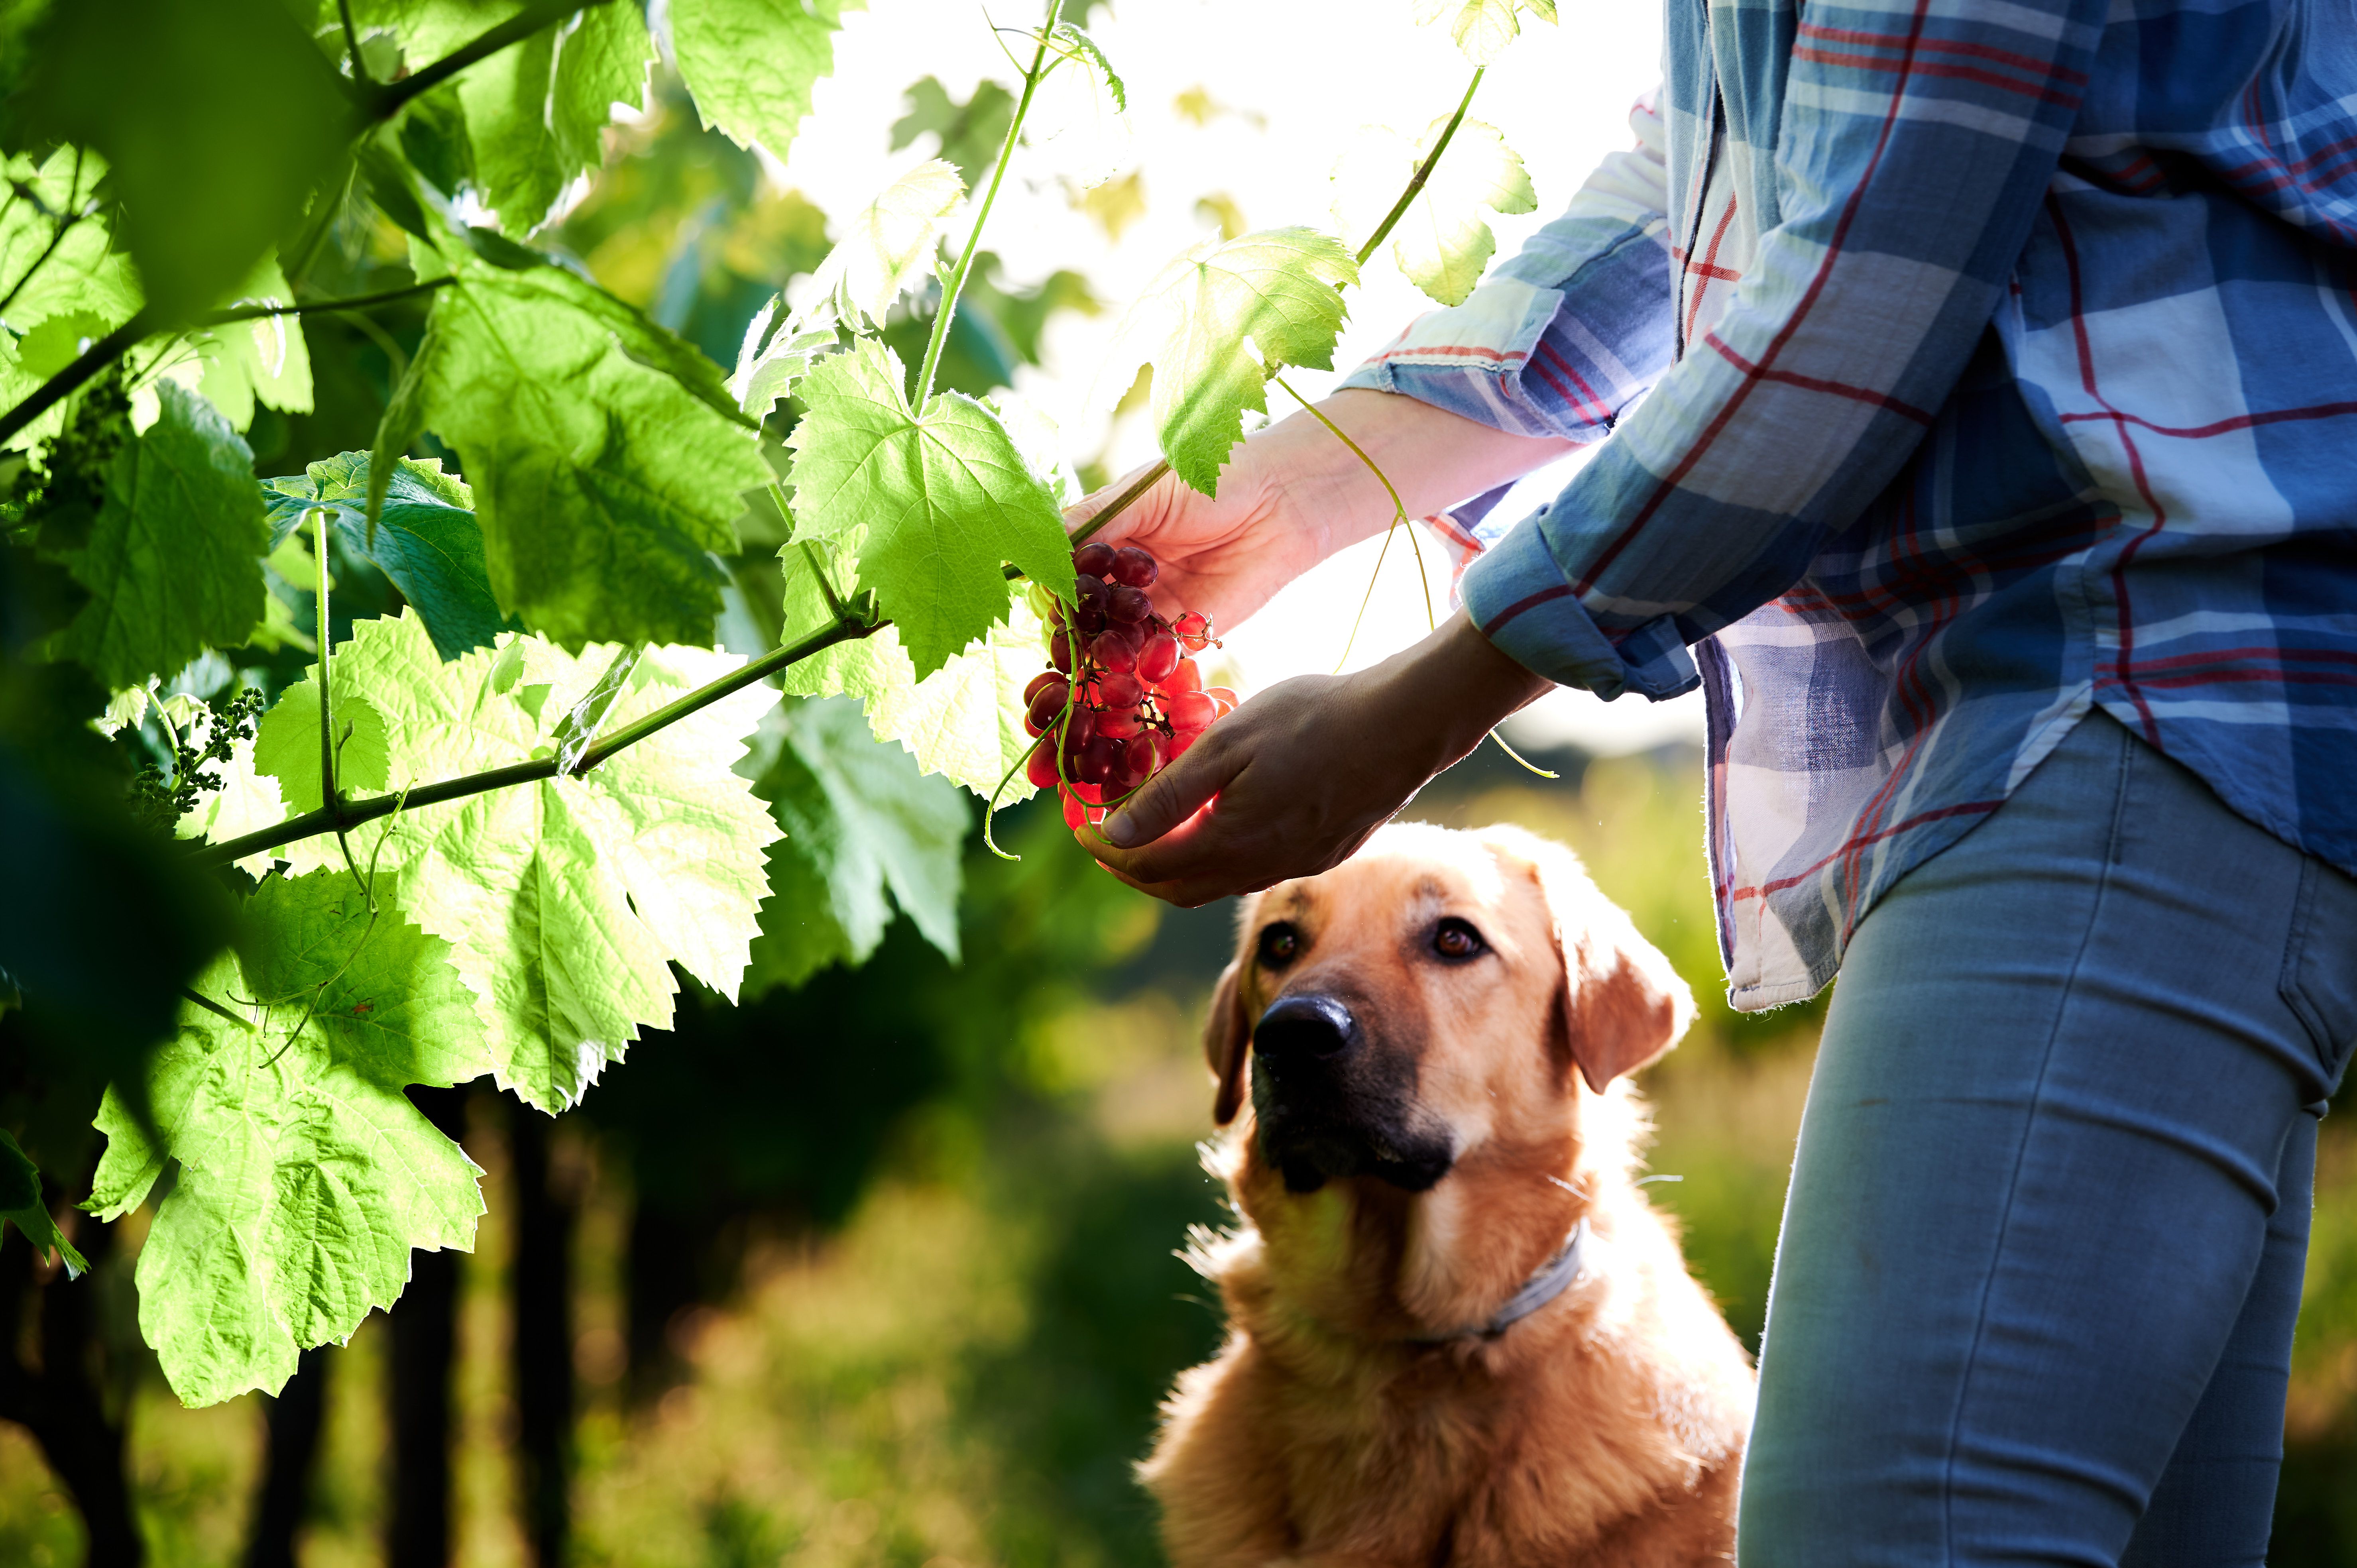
[1563, 337]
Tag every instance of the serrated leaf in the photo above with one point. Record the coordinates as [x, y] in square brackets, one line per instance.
[970, 132]
[85, 276]
[769, 363]
[963, 721]
[535, 112]
[21, 1204]
[564, 901]
[890, 245]
[1481, 28]
[265, 359]
[945, 497]
[1078, 129]
[861, 823]
[1442, 243]
[286, 745]
[751, 64]
[605, 456]
[1215, 321]
[426, 541]
[306, 1176]
[174, 560]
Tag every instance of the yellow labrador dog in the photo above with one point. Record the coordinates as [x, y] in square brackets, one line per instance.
[1458, 1335]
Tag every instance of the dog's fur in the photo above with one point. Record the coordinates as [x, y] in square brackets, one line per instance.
[1358, 1415]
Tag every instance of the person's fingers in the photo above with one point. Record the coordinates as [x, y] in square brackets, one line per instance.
[1173, 795]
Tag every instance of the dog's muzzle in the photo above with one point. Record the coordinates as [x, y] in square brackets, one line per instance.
[1328, 1104]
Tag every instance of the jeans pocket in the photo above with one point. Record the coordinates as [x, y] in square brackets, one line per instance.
[2320, 970]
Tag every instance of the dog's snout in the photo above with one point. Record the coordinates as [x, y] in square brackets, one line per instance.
[1304, 1029]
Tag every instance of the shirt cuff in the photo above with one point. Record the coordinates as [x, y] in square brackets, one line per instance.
[1518, 596]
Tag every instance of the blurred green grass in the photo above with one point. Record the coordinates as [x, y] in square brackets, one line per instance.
[964, 1369]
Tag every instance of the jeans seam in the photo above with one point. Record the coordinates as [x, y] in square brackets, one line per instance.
[2128, 744]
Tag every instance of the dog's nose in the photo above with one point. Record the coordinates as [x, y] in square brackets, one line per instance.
[1302, 1029]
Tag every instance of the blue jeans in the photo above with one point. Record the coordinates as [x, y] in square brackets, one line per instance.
[2042, 1255]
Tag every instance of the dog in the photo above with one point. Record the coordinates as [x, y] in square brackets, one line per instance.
[1457, 1332]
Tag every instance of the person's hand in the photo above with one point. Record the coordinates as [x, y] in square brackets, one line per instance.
[1295, 781]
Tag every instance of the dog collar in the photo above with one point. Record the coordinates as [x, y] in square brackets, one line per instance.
[1553, 1277]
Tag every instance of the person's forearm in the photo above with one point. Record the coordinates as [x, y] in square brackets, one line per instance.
[1433, 457]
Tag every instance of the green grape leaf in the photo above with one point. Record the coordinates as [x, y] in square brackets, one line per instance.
[536, 110]
[174, 560]
[286, 745]
[1442, 243]
[1083, 48]
[305, 1174]
[971, 133]
[965, 721]
[427, 540]
[890, 245]
[752, 63]
[769, 363]
[263, 359]
[1482, 29]
[21, 1204]
[566, 900]
[84, 279]
[1216, 322]
[217, 122]
[605, 457]
[945, 497]
[860, 822]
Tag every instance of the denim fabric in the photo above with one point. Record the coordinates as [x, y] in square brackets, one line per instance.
[2043, 1251]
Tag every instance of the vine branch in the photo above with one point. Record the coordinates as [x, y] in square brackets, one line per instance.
[119, 342]
[393, 96]
[957, 284]
[354, 812]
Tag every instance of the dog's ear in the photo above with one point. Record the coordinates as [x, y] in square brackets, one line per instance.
[1622, 1005]
[1227, 1033]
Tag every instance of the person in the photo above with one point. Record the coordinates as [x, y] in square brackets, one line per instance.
[1973, 389]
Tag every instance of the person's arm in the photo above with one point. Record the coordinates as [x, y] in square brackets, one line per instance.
[1540, 358]
[1915, 150]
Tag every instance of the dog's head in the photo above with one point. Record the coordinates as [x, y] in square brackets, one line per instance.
[1428, 1018]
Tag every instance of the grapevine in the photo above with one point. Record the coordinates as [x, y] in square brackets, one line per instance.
[580, 795]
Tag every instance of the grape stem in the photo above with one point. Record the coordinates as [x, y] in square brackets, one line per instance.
[1423, 172]
[1399, 518]
[957, 284]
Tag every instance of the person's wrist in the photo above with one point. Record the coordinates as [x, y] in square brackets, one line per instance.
[1463, 682]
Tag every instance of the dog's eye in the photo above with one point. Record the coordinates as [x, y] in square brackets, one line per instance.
[1456, 940]
[1278, 944]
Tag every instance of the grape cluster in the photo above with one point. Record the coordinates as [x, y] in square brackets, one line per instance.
[1123, 695]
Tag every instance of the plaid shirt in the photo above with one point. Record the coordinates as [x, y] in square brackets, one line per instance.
[1966, 367]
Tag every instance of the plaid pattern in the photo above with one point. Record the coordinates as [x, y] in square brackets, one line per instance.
[1968, 367]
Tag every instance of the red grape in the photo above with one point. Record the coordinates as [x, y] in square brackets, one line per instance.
[1116, 689]
[1095, 559]
[1139, 758]
[1129, 605]
[1157, 658]
[1134, 567]
[1060, 652]
[1041, 768]
[1073, 813]
[1048, 703]
[1178, 744]
[1038, 682]
[1113, 651]
[1186, 676]
[1191, 711]
[1194, 631]
[1223, 696]
[1119, 723]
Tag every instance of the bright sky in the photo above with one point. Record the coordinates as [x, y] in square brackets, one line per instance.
[1295, 80]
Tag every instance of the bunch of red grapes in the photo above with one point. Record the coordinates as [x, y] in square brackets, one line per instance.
[1124, 696]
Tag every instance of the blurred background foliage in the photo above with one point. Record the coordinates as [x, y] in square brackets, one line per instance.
[879, 1270]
